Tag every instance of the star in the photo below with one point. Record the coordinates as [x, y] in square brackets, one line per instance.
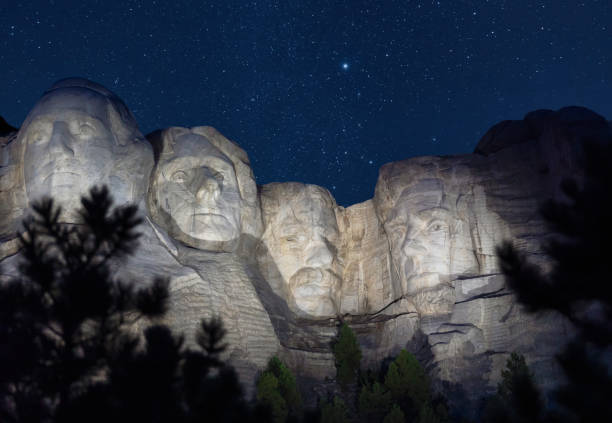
[345, 66]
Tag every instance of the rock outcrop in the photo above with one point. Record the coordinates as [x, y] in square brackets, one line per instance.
[415, 267]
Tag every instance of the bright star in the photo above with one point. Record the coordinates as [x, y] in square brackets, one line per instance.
[345, 66]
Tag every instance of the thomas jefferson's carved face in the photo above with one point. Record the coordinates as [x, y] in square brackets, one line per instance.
[302, 239]
[76, 137]
[196, 190]
[430, 241]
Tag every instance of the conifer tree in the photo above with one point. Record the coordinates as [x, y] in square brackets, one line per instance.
[334, 412]
[407, 381]
[278, 390]
[517, 399]
[347, 355]
[396, 415]
[374, 402]
[67, 351]
[579, 285]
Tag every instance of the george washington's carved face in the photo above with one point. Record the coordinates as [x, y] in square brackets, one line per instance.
[78, 135]
[301, 236]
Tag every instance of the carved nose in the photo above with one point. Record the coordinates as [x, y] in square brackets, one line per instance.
[318, 254]
[208, 189]
[61, 139]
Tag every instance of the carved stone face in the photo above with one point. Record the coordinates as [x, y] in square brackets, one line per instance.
[195, 190]
[301, 236]
[429, 232]
[78, 135]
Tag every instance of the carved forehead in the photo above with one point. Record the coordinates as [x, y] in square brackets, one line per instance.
[70, 102]
[422, 183]
[76, 98]
[84, 85]
[182, 145]
[316, 196]
[421, 195]
[298, 204]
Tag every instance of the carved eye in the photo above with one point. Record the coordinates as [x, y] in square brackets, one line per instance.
[218, 176]
[86, 130]
[179, 177]
[294, 240]
[437, 226]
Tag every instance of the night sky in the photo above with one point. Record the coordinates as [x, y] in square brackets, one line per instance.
[321, 92]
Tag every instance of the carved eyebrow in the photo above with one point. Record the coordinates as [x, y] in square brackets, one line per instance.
[218, 163]
[433, 212]
[39, 121]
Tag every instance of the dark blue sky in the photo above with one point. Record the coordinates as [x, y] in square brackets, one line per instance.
[321, 92]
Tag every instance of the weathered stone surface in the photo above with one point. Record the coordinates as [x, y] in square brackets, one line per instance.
[12, 194]
[77, 135]
[471, 321]
[202, 189]
[439, 226]
[415, 267]
[205, 284]
[205, 219]
[504, 134]
[298, 254]
[368, 283]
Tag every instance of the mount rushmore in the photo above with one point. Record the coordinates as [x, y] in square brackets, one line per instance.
[414, 267]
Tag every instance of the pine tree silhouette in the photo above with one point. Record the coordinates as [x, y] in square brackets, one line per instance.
[579, 285]
[67, 352]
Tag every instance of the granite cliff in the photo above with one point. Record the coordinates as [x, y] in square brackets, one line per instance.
[282, 264]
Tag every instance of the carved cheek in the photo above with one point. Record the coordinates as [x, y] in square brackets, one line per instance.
[170, 197]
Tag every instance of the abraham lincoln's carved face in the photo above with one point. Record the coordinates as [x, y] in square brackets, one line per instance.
[430, 240]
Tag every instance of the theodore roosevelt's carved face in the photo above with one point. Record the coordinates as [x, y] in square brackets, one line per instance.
[301, 236]
[195, 189]
[78, 135]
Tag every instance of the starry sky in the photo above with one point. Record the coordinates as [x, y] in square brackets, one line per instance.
[320, 92]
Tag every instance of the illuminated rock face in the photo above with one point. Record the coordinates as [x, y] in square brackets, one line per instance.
[414, 267]
[202, 191]
[77, 135]
[438, 225]
[299, 247]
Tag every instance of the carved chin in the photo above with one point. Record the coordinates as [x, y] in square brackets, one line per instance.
[316, 306]
[312, 291]
[210, 227]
